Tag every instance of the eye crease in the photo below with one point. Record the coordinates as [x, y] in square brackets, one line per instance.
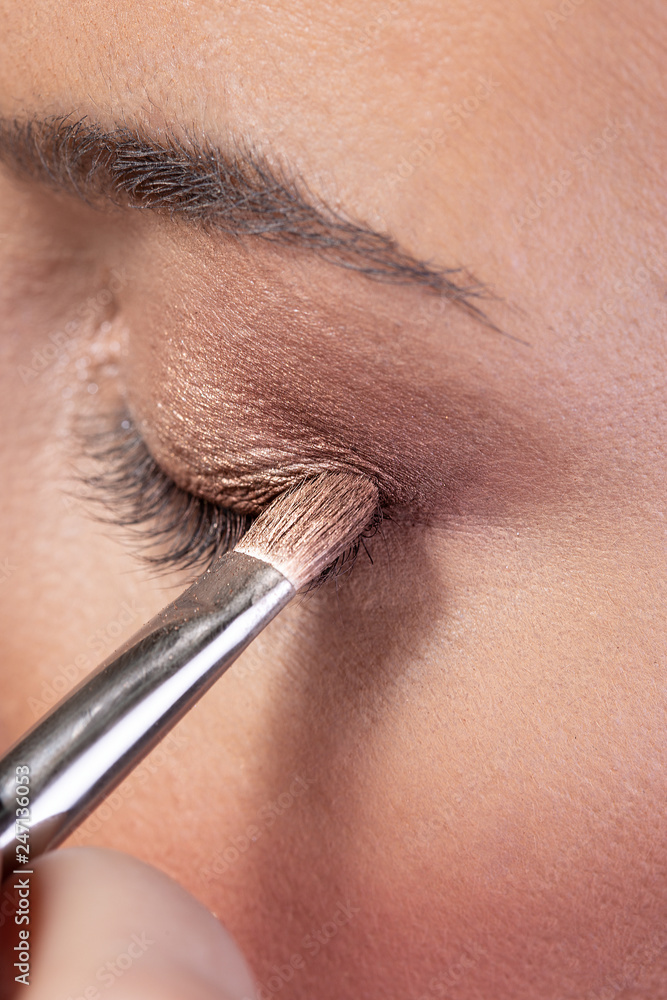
[247, 373]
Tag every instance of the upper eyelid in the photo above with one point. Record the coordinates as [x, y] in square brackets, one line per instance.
[169, 528]
[123, 485]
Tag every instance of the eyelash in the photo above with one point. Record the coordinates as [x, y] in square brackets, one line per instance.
[171, 529]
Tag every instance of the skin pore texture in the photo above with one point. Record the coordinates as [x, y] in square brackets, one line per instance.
[443, 774]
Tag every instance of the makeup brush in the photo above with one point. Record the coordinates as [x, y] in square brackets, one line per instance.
[77, 754]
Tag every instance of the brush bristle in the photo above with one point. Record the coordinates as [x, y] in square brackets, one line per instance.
[306, 529]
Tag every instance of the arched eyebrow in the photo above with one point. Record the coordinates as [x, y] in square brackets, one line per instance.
[231, 191]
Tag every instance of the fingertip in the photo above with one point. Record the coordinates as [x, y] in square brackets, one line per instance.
[107, 925]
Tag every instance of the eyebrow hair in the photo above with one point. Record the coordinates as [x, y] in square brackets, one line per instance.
[235, 192]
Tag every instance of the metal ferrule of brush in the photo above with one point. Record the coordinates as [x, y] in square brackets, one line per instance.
[93, 738]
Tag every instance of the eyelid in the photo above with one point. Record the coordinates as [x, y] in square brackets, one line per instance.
[172, 530]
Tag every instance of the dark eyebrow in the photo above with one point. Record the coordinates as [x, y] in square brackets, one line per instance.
[230, 191]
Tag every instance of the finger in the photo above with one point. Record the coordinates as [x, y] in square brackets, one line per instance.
[105, 925]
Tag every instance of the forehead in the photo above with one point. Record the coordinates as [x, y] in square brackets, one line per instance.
[220, 51]
[343, 90]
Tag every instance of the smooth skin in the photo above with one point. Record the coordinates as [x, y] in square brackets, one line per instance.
[444, 776]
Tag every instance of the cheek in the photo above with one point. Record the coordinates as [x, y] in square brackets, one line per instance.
[392, 774]
[465, 797]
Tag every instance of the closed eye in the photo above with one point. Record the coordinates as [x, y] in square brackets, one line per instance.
[169, 528]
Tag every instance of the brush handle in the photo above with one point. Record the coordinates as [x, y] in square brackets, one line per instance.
[77, 754]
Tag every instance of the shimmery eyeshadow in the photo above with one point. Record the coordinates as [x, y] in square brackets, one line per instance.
[251, 371]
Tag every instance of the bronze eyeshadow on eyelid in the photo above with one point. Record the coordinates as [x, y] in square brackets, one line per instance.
[240, 394]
